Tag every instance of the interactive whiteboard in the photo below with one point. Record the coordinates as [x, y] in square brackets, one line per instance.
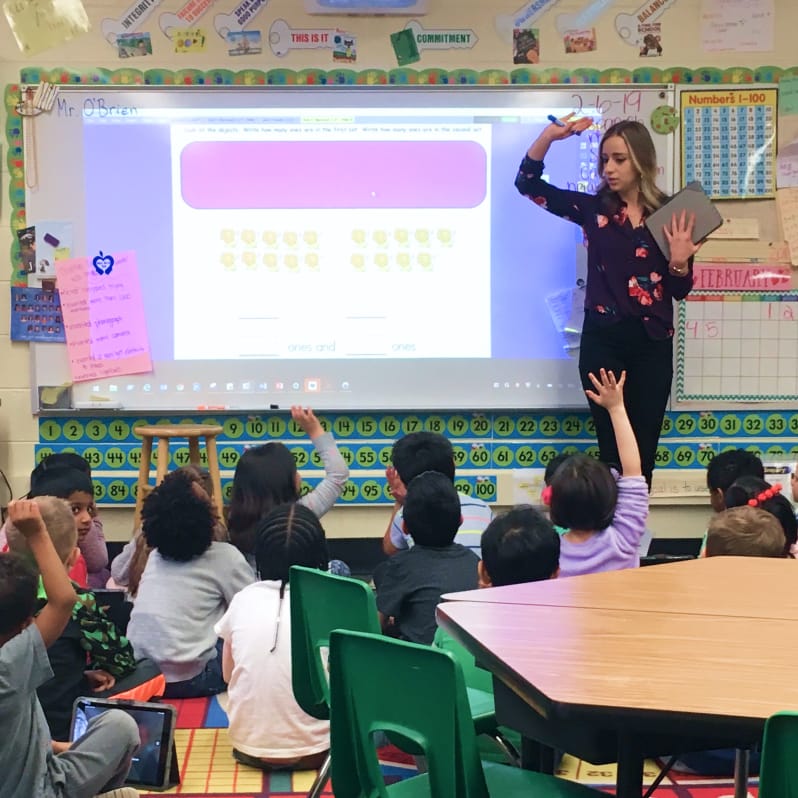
[343, 247]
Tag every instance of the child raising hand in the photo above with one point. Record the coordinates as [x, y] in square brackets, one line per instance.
[605, 516]
[266, 476]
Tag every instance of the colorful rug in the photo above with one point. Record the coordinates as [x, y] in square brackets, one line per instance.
[207, 767]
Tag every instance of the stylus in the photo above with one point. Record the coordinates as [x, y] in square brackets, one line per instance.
[555, 121]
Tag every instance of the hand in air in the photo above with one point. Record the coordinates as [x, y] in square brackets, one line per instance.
[397, 487]
[572, 127]
[680, 240]
[609, 391]
[306, 419]
[25, 516]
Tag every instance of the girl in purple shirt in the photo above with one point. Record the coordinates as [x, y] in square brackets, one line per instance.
[604, 518]
[630, 283]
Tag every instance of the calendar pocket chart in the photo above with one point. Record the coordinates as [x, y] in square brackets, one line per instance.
[738, 347]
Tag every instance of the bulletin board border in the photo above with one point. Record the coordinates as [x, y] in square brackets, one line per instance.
[15, 156]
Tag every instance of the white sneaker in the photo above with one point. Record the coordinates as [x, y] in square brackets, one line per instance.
[121, 792]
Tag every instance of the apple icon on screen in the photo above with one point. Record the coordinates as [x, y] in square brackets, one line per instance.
[103, 263]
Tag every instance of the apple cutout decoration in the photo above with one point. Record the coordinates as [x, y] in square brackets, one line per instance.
[103, 263]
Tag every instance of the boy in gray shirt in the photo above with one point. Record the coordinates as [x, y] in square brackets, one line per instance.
[31, 763]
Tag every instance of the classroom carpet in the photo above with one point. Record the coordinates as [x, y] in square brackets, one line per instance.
[208, 770]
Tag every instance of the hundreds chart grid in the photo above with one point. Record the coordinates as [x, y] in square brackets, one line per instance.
[737, 347]
[729, 142]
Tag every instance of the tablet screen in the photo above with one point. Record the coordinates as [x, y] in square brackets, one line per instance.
[150, 764]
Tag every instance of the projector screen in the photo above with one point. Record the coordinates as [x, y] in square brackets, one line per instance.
[346, 248]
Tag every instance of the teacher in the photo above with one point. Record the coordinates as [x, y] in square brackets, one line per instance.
[631, 285]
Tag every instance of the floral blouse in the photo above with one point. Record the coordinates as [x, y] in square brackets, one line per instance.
[627, 275]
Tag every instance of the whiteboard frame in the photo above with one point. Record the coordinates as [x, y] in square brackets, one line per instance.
[51, 359]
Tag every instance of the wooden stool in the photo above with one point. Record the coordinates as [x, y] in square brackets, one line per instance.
[193, 432]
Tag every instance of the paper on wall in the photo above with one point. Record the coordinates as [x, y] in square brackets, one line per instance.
[522, 18]
[741, 25]
[788, 95]
[787, 207]
[41, 24]
[787, 166]
[527, 483]
[103, 316]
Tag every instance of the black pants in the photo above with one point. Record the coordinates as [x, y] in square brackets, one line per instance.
[649, 373]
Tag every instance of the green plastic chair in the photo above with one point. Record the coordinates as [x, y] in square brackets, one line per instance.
[479, 689]
[381, 684]
[778, 774]
[321, 602]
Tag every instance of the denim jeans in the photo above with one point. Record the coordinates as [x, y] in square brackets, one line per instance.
[208, 682]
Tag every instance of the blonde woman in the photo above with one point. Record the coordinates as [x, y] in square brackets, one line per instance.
[631, 286]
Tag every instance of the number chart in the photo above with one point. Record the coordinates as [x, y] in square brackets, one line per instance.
[489, 448]
[737, 346]
[728, 141]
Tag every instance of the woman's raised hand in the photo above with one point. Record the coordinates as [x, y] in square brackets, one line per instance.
[680, 239]
[570, 127]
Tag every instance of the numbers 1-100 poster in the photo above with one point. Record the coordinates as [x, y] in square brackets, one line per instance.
[729, 141]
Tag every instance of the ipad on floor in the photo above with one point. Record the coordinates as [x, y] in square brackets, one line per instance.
[154, 761]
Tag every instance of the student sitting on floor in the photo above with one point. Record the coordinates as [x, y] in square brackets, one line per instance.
[723, 469]
[745, 531]
[410, 585]
[74, 485]
[412, 455]
[727, 467]
[91, 540]
[128, 566]
[90, 656]
[518, 546]
[266, 476]
[187, 585]
[31, 763]
[267, 727]
[605, 517]
[755, 492]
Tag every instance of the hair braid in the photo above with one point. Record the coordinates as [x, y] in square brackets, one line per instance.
[289, 535]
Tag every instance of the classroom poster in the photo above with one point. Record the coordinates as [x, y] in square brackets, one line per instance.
[103, 312]
[39, 25]
[36, 315]
[728, 141]
[53, 242]
[745, 26]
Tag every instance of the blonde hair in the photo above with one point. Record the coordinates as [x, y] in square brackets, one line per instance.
[643, 156]
[745, 532]
[60, 524]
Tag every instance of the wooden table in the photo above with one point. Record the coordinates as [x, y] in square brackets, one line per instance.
[635, 678]
[750, 587]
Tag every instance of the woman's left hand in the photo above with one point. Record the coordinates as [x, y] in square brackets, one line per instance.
[680, 240]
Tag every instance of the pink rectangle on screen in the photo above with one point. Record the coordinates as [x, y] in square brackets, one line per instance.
[104, 318]
[333, 174]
